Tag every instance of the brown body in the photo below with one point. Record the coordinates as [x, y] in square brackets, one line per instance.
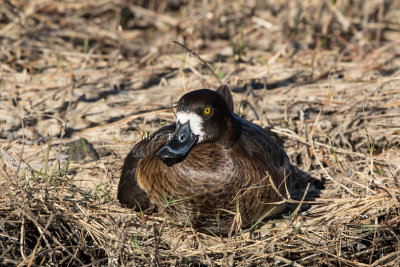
[212, 181]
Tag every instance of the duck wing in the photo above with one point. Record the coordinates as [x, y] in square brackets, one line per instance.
[129, 192]
[272, 155]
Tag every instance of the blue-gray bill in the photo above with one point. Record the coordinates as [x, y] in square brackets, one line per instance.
[177, 148]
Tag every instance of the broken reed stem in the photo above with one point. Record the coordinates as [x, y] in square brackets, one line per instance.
[191, 52]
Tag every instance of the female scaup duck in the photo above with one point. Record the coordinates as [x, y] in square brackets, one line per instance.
[207, 165]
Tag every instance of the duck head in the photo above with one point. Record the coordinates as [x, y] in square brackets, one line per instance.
[203, 116]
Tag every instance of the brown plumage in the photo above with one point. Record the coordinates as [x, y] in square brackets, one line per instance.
[207, 165]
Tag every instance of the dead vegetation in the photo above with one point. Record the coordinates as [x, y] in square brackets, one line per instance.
[322, 76]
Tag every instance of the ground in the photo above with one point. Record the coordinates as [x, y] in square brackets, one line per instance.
[322, 77]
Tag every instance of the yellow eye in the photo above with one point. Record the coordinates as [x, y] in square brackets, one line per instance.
[207, 110]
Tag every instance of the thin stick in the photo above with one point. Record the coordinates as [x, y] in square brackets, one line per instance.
[199, 58]
[32, 256]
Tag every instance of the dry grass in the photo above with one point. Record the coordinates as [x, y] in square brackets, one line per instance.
[324, 78]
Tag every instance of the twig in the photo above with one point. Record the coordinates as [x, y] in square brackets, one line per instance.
[157, 238]
[289, 262]
[300, 204]
[312, 142]
[386, 259]
[328, 99]
[327, 174]
[199, 58]
[32, 256]
[373, 244]
[380, 18]
[125, 119]
[389, 223]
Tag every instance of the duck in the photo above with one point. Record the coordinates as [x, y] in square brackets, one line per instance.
[211, 168]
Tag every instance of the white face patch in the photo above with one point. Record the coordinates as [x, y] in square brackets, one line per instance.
[196, 122]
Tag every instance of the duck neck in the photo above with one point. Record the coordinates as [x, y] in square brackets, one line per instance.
[231, 134]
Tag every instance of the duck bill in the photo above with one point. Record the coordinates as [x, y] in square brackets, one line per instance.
[177, 148]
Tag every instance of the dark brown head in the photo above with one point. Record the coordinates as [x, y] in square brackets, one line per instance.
[203, 116]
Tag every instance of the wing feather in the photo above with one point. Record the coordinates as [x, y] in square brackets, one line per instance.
[129, 192]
